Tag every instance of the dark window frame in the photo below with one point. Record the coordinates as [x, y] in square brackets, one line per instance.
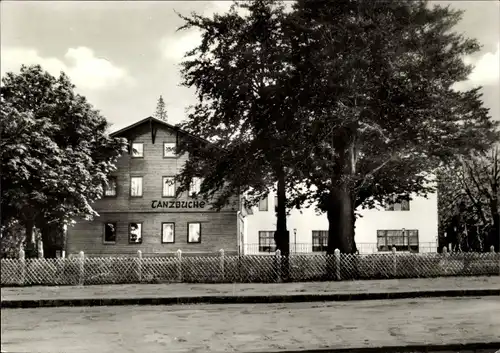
[163, 186]
[194, 194]
[168, 242]
[132, 150]
[128, 235]
[388, 242]
[199, 239]
[104, 241]
[320, 235]
[404, 201]
[175, 150]
[269, 246]
[142, 186]
[105, 186]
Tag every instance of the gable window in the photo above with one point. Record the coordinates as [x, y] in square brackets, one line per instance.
[168, 232]
[402, 205]
[109, 233]
[194, 233]
[402, 240]
[266, 241]
[168, 187]
[137, 150]
[110, 187]
[135, 233]
[195, 186]
[263, 204]
[169, 150]
[319, 240]
[136, 186]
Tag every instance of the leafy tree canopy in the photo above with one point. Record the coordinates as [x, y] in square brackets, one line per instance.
[55, 151]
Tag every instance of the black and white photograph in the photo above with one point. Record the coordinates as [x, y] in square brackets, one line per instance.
[253, 176]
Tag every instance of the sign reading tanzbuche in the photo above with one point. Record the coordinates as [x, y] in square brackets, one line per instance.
[177, 204]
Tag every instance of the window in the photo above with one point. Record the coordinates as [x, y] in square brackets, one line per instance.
[263, 204]
[402, 205]
[276, 203]
[135, 233]
[194, 232]
[266, 241]
[168, 232]
[137, 150]
[110, 187]
[406, 240]
[169, 150]
[109, 233]
[168, 186]
[319, 240]
[195, 186]
[136, 186]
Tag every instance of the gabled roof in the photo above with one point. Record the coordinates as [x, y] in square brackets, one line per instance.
[140, 122]
[151, 119]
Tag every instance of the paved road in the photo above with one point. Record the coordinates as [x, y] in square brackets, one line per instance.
[239, 289]
[246, 328]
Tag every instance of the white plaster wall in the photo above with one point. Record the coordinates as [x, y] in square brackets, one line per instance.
[423, 216]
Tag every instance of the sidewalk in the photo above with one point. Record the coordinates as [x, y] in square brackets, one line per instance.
[184, 293]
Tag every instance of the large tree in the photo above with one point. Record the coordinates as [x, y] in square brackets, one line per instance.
[55, 153]
[240, 71]
[469, 193]
[376, 80]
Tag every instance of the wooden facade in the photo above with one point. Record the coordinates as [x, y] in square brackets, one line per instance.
[153, 212]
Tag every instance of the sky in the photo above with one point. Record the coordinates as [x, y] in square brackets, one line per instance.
[123, 55]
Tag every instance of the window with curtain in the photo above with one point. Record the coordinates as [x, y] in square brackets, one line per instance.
[195, 186]
[136, 186]
[319, 240]
[168, 186]
[266, 241]
[406, 240]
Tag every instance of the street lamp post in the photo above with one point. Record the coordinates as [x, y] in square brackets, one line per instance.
[295, 240]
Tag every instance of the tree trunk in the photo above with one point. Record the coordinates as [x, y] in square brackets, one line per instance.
[30, 248]
[495, 232]
[49, 246]
[281, 236]
[341, 220]
[53, 239]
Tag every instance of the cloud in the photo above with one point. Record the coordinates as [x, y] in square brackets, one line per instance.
[486, 71]
[87, 72]
[175, 47]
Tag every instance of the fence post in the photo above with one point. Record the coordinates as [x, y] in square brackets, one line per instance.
[221, 252]
[337, 264]
[394, 262]
[278, 262]
[492, 248]
[139, 265]
[179, 265]
[22, 260]
[81, 265]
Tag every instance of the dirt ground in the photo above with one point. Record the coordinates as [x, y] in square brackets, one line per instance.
[249, 328]
[187, 289]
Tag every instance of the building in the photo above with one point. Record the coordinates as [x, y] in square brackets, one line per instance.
[411, 226]
[139, 210]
